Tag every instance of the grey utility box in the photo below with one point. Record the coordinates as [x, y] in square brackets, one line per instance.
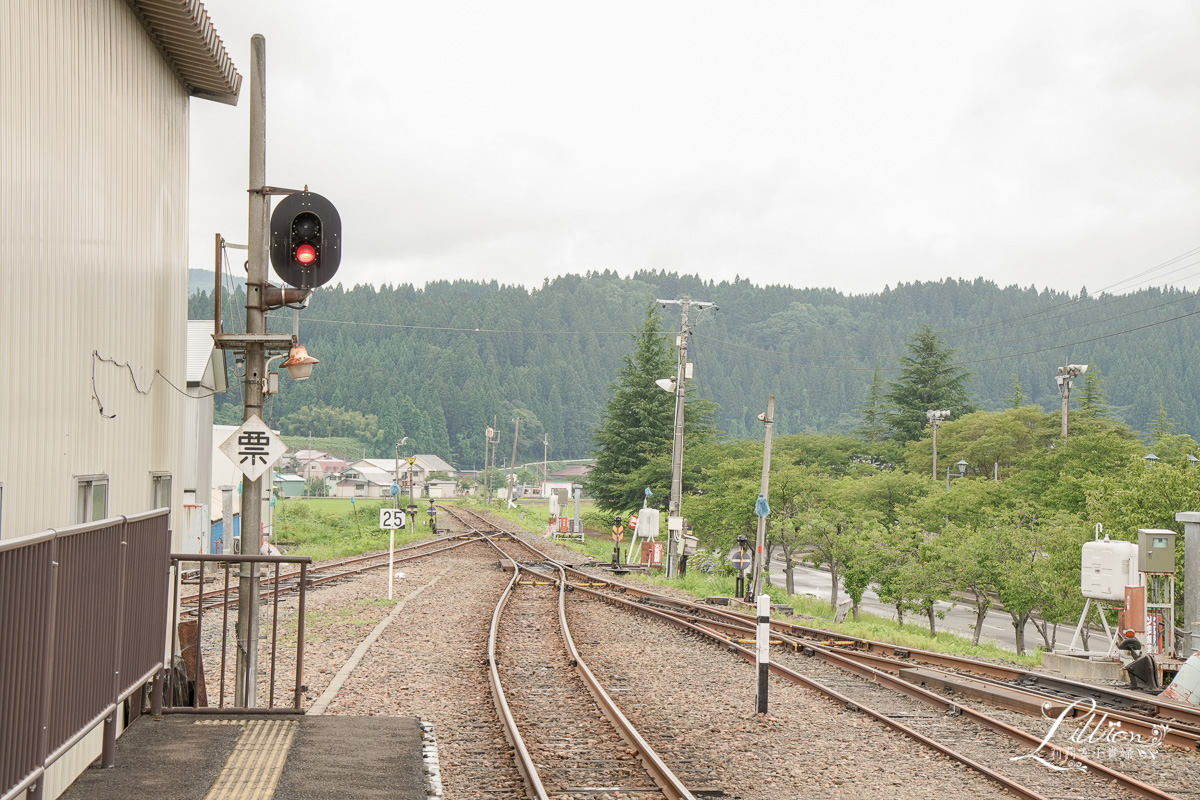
[1156, 550]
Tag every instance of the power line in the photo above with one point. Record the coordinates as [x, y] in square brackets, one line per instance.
[398, 326]
[1073, 300]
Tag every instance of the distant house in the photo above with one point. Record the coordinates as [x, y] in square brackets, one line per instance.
[318, 464]
[575, 472]
[288, 485]
[381, 472]
[563, 490]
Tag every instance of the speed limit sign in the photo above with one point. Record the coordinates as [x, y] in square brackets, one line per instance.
[391, 518]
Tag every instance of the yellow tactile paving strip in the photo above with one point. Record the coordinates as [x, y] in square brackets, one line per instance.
[256, 761]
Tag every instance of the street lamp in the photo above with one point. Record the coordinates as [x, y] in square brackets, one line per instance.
[935, 417]
[1065, 383]
[962, 473]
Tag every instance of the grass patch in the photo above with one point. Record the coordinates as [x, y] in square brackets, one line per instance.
[325, 528]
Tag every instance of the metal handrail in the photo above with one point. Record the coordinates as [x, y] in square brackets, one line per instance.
[273, 591]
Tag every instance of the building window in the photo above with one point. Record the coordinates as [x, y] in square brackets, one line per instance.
[160, 490]
[91, 498]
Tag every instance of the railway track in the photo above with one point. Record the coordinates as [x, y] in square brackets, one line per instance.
[279, 582]
[568, 736]
[980, 741]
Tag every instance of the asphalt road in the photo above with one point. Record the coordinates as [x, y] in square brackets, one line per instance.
[958, 619]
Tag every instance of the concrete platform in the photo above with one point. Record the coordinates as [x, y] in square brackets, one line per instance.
[188, 757]
[1084, 669]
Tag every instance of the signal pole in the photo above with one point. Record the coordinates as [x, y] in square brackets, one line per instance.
[674, 514]
[246, 682]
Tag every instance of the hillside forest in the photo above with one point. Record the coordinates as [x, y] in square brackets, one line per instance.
[438, 364]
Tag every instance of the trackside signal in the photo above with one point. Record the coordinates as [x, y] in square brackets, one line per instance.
[306, 240]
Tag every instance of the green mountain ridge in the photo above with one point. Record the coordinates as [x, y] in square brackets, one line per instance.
[440, 363]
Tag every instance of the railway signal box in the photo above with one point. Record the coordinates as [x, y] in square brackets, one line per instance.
[306, 240]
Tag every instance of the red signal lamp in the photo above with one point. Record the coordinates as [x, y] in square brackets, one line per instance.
[306, 254]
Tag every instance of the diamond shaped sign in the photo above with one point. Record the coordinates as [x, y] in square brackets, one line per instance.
[253, 448]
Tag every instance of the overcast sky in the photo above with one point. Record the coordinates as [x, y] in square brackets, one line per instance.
[843, 144]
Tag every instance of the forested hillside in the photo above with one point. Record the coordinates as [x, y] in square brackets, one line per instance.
[438, 364]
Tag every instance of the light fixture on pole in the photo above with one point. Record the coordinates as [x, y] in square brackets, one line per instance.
[935, 418]
[1065, 383]
[299, 363]
[962, 473]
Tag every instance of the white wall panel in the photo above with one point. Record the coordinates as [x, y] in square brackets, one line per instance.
[93, 207]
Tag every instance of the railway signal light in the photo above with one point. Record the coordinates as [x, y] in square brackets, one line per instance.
[306, 240]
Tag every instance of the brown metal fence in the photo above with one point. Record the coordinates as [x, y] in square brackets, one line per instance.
[82, 616]
[215, 680]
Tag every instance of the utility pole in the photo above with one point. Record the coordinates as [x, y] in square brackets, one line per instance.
[487, 444]
[246, 682]
[674, 513]
[493, 438]
[761, 560]
[545, 456]
[512, 468]
[935, 418]
[1065, 384]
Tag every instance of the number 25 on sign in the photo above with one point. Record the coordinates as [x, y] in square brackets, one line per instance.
[391, 518]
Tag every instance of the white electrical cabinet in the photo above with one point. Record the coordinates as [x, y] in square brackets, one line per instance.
[1107, 568]
[647, 523]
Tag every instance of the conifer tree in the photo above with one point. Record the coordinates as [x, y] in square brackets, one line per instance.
[873, 429]
[1017, 398]
[637, 425]
[1094, 401]
[928, 380]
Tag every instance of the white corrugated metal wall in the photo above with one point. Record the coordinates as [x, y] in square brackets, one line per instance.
[93, 257]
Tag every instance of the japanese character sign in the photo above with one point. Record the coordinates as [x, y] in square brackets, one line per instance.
[253, 448]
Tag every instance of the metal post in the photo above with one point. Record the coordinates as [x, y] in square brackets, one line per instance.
[1064, 389]
[246, 688]
[412, 506]
[577, 526]
[512, 468]
[392, 531]
[934, 422]
[1191, 579]
[761, 561]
